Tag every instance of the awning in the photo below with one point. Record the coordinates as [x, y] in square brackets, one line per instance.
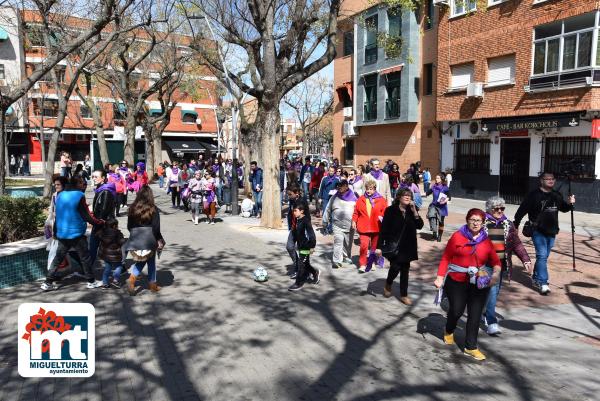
[389, 70]
[189, 113]
[539, 122]
[209, 146]
[3, 34]
[121, 107]
[155, 112]
[190, 146]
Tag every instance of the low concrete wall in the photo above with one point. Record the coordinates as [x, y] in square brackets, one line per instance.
[23, 261]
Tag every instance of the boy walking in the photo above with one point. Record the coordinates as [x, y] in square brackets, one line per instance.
[305, 239]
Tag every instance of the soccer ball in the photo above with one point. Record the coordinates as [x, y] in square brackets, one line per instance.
[260, 274]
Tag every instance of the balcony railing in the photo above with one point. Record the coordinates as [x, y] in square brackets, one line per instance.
[370, 112]
[392, 108]
[371, 53]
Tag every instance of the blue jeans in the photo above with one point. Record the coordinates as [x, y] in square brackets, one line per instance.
[305, 193]
[426, 186]
[490, 309]
[108, 266]
[139, 266]
[257, 202]
[543, 245]
[161, 181]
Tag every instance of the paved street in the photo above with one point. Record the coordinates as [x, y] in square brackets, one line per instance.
[214, 334]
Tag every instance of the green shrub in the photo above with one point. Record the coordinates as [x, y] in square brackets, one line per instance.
[21, 218]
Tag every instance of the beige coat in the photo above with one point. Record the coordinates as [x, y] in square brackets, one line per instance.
[383, 186]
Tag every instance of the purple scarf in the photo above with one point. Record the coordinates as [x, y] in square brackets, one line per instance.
[464, 230]
[357, 178]
[175, 170]
[347, 196]
[124, 169]
[110, 187]
[215, 168]
[330, 179]
[378, 175]
[115, 176]
[373, 197]
[495, 220]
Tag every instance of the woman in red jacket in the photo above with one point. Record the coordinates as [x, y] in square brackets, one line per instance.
[315, 182]
[466, 283]
[366, 219]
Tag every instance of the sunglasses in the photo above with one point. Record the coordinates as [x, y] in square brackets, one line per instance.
[499, 209]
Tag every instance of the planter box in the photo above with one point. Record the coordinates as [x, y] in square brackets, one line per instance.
[23, 261]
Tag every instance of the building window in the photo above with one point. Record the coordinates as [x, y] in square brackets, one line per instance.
[429, 14]
[501, 71]
[80, 138]
[119, 111]
[394, 16]
[461, 7]
[348, 149]
[371, 39]
[348, 43]
[392, 103]
[35, 37]
[45, 108]
[344, 97]
[427, 79]
[574, 36]
[85, 111]
[2, 74]
[370, 112]
[561, 151]
[494, 2]
[473, 155]
[462, 75]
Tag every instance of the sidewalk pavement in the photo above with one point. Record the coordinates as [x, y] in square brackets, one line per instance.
[214, 334]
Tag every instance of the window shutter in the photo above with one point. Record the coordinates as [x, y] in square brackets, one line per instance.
[462, 75]
[501, 70]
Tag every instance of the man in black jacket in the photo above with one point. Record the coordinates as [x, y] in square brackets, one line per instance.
[542, 206]
[103, 205]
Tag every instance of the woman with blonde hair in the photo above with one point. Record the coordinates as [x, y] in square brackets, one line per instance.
[145, 238]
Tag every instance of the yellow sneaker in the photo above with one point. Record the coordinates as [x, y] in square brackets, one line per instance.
[448, 338]
[475, 353]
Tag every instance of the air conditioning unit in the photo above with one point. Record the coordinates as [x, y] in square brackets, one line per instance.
[348, 128]
[347, 111]
[198, 121]
[440, 2]
[475, 89]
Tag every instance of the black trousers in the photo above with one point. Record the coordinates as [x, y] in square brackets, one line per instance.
[461, 295]
[402, 268]
[175, 196]
[80, 245]
[304, 268]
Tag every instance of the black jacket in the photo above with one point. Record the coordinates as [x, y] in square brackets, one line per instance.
[542, 209]
[304, 235]
[103, 205]
[403, 228]
[111, 241]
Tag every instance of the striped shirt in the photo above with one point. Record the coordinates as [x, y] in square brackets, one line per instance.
[496, 235]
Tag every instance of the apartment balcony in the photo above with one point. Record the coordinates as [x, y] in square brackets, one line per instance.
[392, 108]
[370, 111]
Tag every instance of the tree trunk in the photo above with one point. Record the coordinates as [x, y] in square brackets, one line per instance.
[268, 130]
[157, 150]
[2, 153]
[100, 135]
[150, 155]
[49, 170]
[129, 147]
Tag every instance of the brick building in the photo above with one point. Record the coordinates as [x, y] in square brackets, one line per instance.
[384, 106]
[519, 93]
[192, 128]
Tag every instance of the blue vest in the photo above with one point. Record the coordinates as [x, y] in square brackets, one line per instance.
[69, 223]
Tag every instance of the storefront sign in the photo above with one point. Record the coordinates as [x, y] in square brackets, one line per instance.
[512, 134]
[531, 122]
[596, 128]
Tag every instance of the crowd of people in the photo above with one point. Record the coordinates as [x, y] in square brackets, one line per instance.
[380, 206]
[476, 257]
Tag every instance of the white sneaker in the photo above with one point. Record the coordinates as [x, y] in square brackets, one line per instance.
[545, 290]
[95, 284]
[493, 329]
[212, 222]
[195, 220]
[207, 221]
[48, 287]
